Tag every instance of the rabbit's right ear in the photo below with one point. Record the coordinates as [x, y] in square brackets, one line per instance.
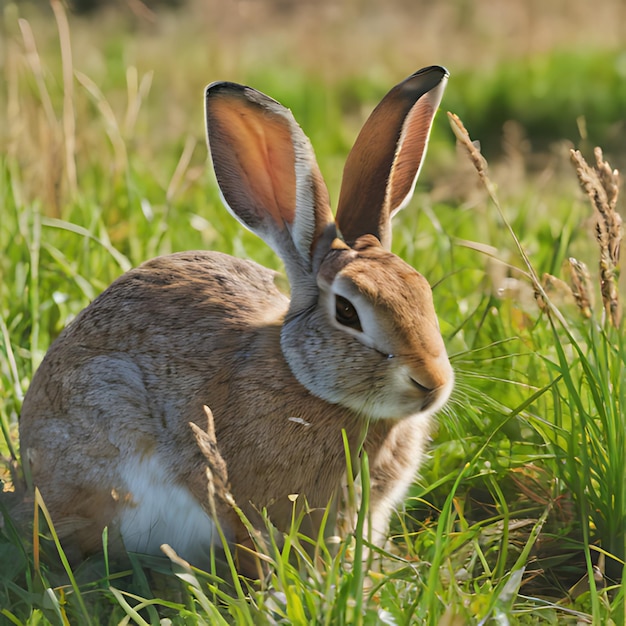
[267, 172]
[382, 167]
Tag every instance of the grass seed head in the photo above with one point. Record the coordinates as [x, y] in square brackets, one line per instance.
[601, 184]
[580, 281]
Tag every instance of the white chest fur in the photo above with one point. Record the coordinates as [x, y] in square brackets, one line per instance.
[161, 511]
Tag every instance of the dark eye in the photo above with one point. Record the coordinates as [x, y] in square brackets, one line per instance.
[346, 314]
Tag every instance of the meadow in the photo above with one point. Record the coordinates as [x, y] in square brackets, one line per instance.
[519, 514]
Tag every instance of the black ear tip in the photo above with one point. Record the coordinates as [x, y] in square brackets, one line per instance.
[242, 93]
[423, 81]
[222, 87]
[434, 71]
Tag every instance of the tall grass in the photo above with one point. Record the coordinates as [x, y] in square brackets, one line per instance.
[594, 387]
[588, 432]
[518, 516]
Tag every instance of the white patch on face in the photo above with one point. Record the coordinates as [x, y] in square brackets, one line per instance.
[161, 511]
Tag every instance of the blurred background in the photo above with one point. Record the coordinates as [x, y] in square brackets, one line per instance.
[531, 79]
[556, 68]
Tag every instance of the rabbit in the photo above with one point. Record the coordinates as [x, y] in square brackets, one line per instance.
[105, 425]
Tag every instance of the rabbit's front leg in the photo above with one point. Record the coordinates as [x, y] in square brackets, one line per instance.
[395, 451]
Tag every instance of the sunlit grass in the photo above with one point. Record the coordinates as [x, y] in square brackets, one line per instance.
[523, 490]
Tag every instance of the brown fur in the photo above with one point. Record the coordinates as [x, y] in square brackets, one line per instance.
[282, 378]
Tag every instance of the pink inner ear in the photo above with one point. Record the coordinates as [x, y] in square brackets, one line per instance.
[412, 145]
[259, 149]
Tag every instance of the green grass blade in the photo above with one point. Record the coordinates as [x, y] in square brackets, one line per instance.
[66, 566]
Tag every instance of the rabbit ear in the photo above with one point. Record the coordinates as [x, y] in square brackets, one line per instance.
[382, 167]
[267, 172]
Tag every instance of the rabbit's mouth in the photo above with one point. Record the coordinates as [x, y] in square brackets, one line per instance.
[430, 398]
[435, 399]
[422, 388]
[404, 392]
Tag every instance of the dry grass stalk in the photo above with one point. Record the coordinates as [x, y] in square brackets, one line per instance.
[480, 164]
[216, 472]
[38, 135]
[477, 159]
[559, 292]
[581, 286]
[69, 117]
[601, 184]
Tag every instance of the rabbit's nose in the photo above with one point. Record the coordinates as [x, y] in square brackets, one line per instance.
[432, 392]
[433, 375]
[434, 383]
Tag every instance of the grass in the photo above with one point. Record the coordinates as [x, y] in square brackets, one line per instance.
[518, 517]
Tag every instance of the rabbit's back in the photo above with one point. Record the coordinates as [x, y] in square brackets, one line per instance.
[154, 338]
[177, 303]
[167, 316]
[113, 398]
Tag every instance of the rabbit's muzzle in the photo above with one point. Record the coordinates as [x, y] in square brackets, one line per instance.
[425, 384]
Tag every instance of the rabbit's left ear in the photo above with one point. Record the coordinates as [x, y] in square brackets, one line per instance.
[382, 167]
[267, 172]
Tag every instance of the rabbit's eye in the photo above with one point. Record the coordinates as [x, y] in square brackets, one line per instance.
[346, 314]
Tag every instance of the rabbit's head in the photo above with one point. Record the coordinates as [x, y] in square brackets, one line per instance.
[361, 329]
